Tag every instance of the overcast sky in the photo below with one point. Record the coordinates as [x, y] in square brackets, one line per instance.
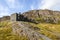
[8, 7]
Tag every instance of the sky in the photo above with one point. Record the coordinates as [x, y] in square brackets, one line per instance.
[8, 7]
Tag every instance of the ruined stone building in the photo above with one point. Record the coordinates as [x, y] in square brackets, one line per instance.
[14, 17]
[18, 17]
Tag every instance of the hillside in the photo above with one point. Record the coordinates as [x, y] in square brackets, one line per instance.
[37, 16]
[47, 16]
[38, 25]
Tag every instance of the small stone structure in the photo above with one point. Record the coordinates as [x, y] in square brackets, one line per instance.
[18, 17]
[14, 17]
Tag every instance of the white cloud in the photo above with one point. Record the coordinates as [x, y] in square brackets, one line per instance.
[14, 4]
[11, 3]
[32, 7]
[48, 4]
[3, 11]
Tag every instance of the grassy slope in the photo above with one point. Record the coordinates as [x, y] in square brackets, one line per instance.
[47, 29]
[50, 30]
[6, 32]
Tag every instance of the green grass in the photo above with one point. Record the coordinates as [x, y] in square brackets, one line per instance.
[6, 32]
[46, 29]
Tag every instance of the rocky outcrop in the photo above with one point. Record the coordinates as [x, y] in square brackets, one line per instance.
[23, 29]
[48, 16]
